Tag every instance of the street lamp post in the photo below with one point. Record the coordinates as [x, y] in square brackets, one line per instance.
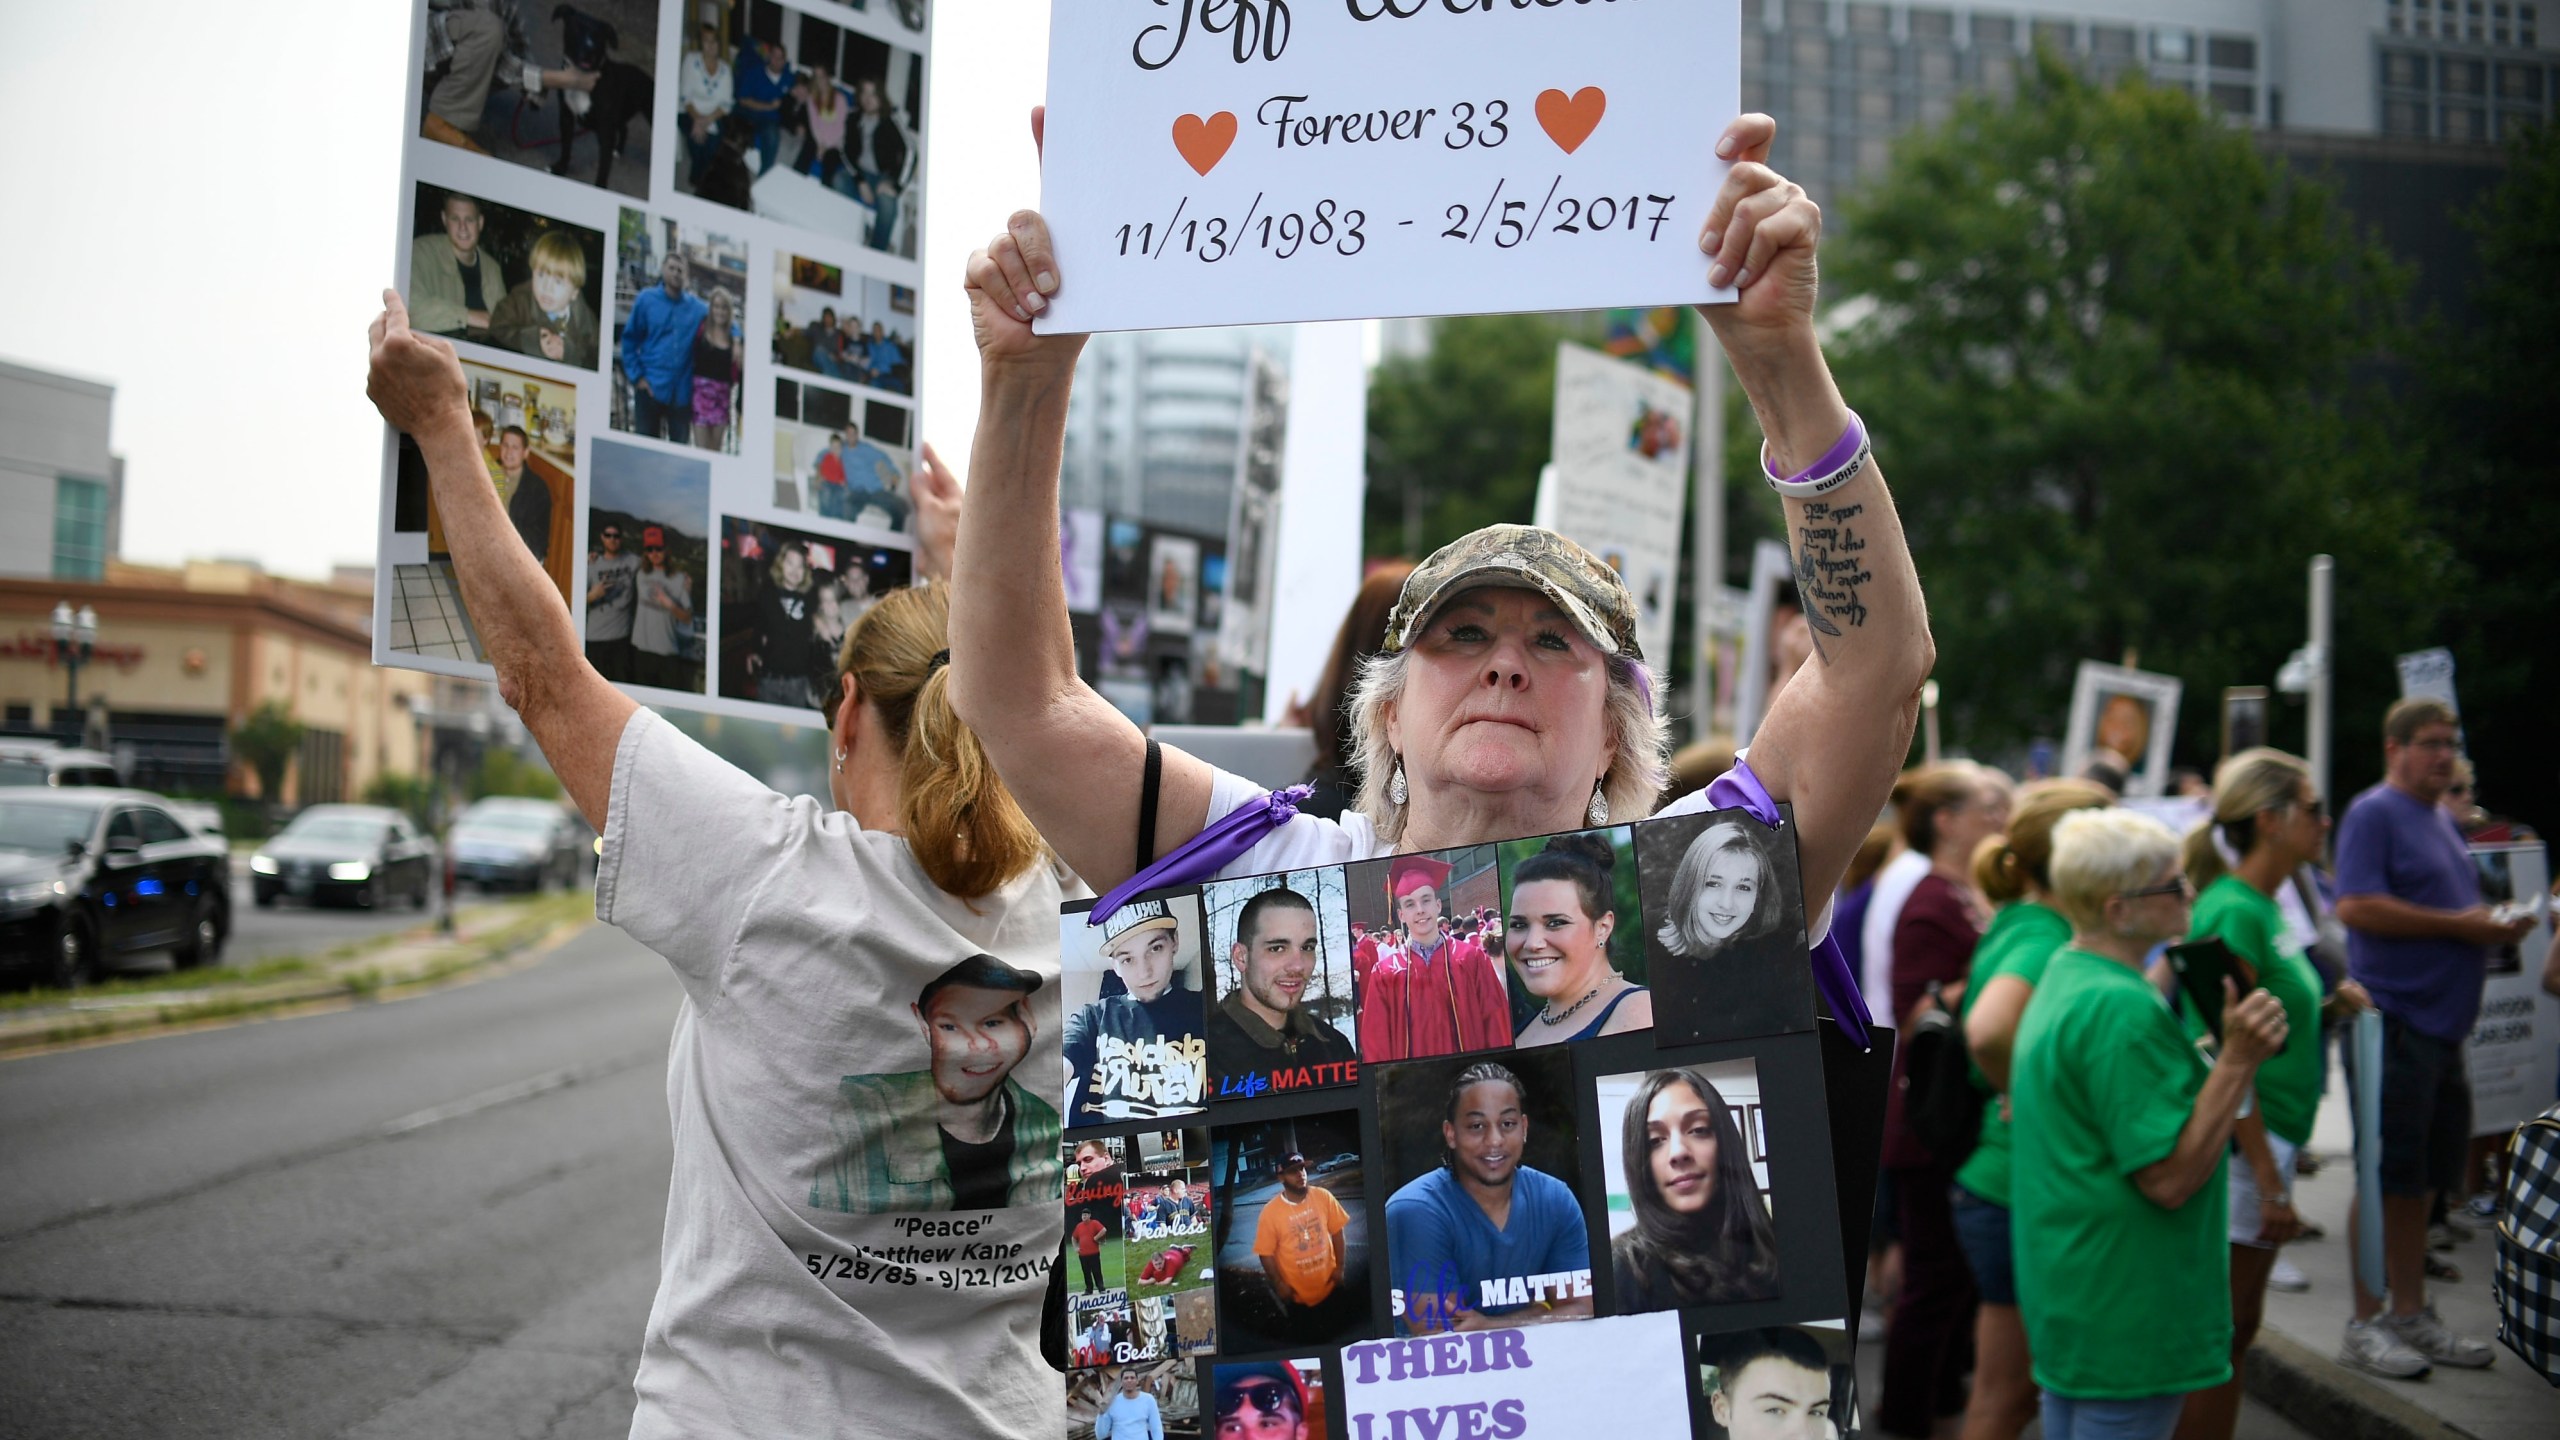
[75, 639]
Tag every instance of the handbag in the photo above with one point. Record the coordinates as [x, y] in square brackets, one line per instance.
[2526, 1280]
[1940, 1102]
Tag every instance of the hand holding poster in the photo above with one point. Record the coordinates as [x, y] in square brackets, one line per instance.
[1241, 161]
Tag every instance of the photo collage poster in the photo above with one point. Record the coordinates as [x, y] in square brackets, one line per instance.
[674, 243]
[1467, 1141]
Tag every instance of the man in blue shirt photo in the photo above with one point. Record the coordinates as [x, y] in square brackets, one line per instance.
[657, 354]
[1486, 1241]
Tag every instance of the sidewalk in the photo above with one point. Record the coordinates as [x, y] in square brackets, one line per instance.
[2294, 1368]
[389, 967]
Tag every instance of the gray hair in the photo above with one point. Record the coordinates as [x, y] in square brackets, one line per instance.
[1635, 779]
[2101, 854]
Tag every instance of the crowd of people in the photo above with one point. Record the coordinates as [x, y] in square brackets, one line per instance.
[757, 102]
[976, 778]
[843, 349]
[2101, 1249]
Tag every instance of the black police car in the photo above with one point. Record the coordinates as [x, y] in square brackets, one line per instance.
[88, 876]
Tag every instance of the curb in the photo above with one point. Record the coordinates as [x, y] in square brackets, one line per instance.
[434, 962]
[2331, 1401]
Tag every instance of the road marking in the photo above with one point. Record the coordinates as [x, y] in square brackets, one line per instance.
[507, 1094]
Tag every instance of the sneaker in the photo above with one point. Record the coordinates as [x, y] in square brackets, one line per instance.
[2484, 1206]
[2287, 1277]
[2372, 1346]
[2426, 1334]
[2444, 1270]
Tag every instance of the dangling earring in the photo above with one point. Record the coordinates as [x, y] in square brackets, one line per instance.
[839, 761]
[1395, 783]
[1598, 813]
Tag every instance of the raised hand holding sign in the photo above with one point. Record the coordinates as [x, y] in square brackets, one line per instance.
[1240, 161]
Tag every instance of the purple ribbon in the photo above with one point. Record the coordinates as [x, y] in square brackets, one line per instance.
[1739, 789]
[1203, 855]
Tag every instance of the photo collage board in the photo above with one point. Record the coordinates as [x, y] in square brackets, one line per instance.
[674, 243]
[1482, 1141]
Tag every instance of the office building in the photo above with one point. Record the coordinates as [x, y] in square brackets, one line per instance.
[60, 486]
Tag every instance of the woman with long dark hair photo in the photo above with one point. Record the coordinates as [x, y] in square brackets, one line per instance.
[1702, 1234]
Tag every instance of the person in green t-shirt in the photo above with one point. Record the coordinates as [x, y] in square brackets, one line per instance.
[2013, 871]
[2116, 1185]
[2269, 815]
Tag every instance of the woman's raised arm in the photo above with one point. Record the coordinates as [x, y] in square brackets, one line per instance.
[1837, 734]
[533, 644]
[1073, 762]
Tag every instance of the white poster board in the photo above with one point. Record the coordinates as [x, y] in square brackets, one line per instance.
[1619, 477]
[2515, 1044]
[1771, 567]
[1241, 163]
[2132, 713]
[2428, 673]
[775, 471]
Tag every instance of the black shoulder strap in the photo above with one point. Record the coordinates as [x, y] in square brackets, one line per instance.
[1147, 789]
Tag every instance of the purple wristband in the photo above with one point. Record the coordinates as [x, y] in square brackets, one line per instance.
[1837, 465]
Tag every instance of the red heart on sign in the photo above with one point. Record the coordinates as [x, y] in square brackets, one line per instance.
[1204, 143]
[1570, 119]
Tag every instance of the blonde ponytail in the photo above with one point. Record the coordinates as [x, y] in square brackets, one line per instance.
[2244, 787]
[2005, 865]
[963, 825]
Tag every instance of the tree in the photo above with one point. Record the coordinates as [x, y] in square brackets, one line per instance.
[504, 772]
[267, 740]
[1457, 435]
[2108, 370]
[2486, 487]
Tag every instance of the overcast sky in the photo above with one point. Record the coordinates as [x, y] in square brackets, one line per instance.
[203, 205]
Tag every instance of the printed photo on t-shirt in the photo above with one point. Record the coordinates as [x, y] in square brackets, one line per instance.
[1285, 1016]
[1778, 1382]
[959, 1129]
[1425, 954]
[1482, 1162]
[1685, 1157]
[1135, 1012]
[1724, 926]
[1571, 944]
[1142, 1400]
[1291, 1232]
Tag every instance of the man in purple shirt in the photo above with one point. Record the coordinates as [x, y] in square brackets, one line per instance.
[2409, 896]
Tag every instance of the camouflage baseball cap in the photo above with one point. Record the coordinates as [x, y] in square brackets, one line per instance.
[1521, 557]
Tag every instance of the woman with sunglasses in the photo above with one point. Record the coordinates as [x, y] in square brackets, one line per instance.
[2119, 1129]
[2267, 814]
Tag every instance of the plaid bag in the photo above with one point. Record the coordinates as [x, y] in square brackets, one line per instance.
[2526, 1282]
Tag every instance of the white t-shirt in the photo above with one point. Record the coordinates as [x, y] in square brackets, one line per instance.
[1894, 883]
[1308, 841]
[802, 942]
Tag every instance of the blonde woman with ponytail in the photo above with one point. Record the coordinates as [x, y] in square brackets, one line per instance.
[2267, 823]
[2013, 872]
[868, 988]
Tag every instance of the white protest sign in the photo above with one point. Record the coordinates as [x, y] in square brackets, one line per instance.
[1219, 162]
[2428, 673]
[2516, 1040]
[1534, 1383]
[1619, 477]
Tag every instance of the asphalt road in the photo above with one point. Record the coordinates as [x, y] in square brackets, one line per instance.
[433, 1217]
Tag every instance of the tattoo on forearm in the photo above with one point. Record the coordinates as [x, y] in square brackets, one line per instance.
[1830, 567]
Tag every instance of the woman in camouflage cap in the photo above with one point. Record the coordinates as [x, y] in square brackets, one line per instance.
[1511, 698]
